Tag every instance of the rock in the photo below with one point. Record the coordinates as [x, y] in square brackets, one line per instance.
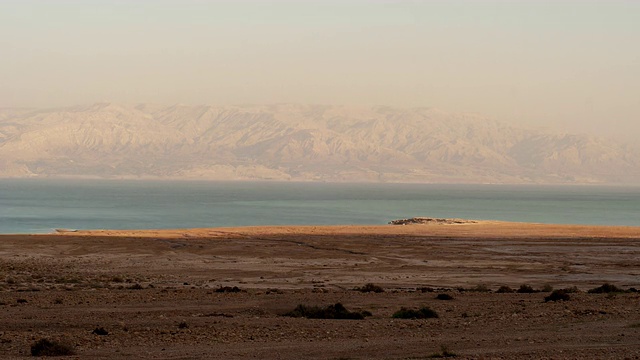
[427, 220]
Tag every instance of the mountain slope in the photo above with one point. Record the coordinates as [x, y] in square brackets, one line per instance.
[295, 142]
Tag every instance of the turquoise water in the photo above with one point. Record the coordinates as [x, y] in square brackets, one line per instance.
[39, 206]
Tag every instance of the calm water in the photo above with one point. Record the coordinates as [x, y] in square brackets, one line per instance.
[39, 206]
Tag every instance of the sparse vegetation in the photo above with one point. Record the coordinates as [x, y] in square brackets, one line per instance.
[370, 288]
[135, 286]
[526, 289]
[606, 289]
[557, 295]
[505, 290]
[478, 288]
[422, 313]
[444, 297]
[45, 347]
[228, 289]
[100, 331]
[58, 301]
[183, 325]
[444, 353]
[336, 311]
[547, 288]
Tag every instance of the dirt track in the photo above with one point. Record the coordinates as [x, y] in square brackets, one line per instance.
[75, 282]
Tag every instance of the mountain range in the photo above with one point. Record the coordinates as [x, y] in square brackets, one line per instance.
[301, 143]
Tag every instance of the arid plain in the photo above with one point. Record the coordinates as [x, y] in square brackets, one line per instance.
[159, 294]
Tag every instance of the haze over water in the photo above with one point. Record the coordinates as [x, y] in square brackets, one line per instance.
[40, 206]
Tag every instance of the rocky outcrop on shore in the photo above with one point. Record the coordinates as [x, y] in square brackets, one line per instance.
[431, 221]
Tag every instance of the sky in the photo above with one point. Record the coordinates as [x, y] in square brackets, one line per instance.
[572, 65]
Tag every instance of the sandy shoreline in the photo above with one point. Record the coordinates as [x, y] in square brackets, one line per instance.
[91, 274]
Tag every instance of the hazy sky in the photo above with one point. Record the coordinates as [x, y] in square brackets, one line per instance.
[572, 63]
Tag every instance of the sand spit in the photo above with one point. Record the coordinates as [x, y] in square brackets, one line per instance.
[173, 294]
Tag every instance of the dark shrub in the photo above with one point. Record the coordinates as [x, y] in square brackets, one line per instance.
[228, 289]
[557, 295]
[525, 289]
[477, 288]
[422, 313]
[444, 297]
[605, 289]
[337, 311]
[100, 331]
[504, 290]
[444, 353]
[426, 289]
[45, 347]
[480, 288]
[135, 286]
[547, 288]
[183, 325]
[370, 288]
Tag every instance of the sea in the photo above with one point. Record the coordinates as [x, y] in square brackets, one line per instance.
[41, 206]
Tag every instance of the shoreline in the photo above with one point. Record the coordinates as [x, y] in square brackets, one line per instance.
[481, 227]
[439, 226]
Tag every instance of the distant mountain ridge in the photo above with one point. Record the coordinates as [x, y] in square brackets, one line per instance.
[299, 142]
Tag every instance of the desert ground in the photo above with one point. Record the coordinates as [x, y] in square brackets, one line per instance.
[161, 294]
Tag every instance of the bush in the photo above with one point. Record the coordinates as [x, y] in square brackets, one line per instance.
[337, 311]
[183, 325]
[504, 290]
[547, 288]
[45, 347]
[477, 288]
[526, 289]
[444, 353]
[135, 286]
[605, 289]
[370, 288]
[480, 288]
[422, 313]
[557, 295]
[444, 297]
[100, 331]
[228, 289]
